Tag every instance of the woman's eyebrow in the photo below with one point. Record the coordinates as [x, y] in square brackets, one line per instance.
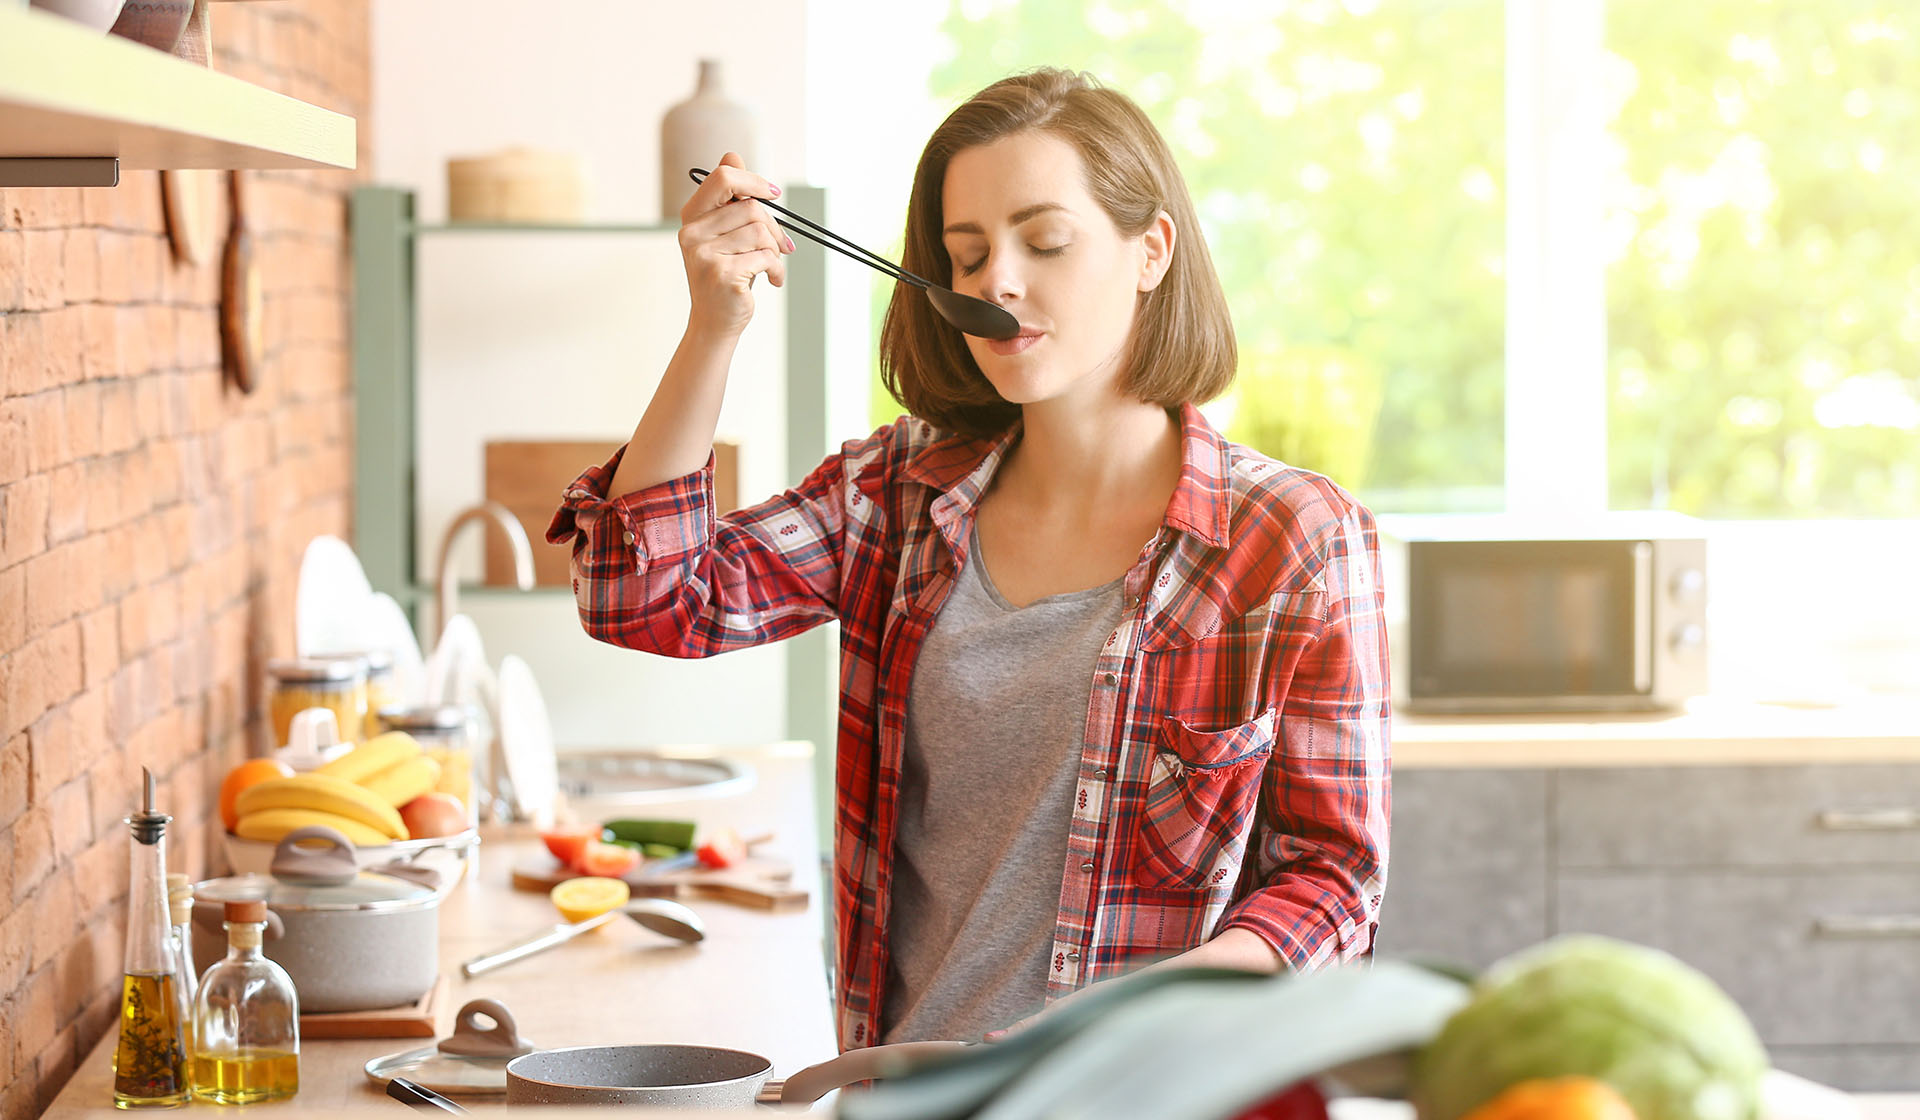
[1025, 213]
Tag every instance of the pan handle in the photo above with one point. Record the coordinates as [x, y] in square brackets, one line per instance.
[420, 1097]
[866, 1064]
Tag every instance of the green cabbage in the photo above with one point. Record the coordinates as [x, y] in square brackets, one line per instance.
[1653, 1027]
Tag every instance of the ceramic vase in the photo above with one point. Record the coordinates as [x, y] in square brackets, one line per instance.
[696, 133]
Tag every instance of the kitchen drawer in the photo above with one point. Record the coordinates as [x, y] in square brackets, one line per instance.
[1737, 816]
[1769, 939]
[1857, 1069]
[1467, 865]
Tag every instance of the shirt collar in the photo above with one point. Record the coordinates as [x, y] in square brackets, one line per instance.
[1202, 505]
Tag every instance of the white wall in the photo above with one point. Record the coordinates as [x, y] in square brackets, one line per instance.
[564, 336]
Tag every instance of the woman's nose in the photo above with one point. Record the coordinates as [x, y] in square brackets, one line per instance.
[1000, 280]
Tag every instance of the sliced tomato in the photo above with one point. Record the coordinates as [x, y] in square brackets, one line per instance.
[566, 844]
[723, 848]
[608, 860]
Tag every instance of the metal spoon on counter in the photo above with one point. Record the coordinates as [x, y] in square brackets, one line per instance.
[969, 314]
[662, 916]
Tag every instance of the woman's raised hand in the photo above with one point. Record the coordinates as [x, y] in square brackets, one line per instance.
[727, 239]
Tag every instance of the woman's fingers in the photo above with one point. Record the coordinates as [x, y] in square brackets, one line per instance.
[728, 181]
[727, 238]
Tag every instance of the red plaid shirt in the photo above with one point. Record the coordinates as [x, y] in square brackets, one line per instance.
[1234, 770]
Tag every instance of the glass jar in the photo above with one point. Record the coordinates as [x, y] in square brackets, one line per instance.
[382, 690]
[446, 732]
[338, 684]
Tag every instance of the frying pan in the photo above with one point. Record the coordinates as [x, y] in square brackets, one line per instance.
[693, 1077]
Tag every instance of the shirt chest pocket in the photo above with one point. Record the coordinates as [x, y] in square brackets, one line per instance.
[1202, 793]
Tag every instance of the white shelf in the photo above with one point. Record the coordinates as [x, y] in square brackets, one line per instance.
[70, 92]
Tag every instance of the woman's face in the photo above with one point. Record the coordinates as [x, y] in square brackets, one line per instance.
[1023, 232]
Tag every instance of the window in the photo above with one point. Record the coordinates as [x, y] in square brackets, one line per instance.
[1763, 278]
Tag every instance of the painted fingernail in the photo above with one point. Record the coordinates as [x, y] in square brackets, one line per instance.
[773, 190]
[790, 245]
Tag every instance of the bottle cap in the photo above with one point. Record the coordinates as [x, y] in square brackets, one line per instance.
[248, 910]
[148, 825]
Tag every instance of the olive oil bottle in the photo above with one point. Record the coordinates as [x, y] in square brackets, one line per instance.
[246, 1019]
[149, 1063]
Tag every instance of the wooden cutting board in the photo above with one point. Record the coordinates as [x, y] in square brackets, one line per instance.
[413, 1020]
[756, 881]
[528, 476]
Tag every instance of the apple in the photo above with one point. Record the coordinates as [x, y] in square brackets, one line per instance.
[433, 814]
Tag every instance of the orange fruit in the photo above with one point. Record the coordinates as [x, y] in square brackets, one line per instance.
[248, 773]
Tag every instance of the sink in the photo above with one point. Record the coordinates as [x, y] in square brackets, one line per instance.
[623, 778]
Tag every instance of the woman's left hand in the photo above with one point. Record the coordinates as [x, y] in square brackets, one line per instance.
[1230, 948]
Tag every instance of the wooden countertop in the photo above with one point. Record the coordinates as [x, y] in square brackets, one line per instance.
[1710, 732]
[757, 983]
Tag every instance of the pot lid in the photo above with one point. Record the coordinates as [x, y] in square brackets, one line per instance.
[323, 876]
[472, 1061]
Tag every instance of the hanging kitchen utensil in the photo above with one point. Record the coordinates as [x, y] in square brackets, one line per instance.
[242, 315]
[190, 198]
[970, 315]
[470, 1062]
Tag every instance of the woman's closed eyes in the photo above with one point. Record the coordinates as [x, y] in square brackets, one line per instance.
[1036, 250]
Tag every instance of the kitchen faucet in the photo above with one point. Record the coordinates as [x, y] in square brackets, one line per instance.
[446, 589]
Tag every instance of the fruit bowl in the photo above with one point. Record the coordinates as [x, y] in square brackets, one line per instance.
[254, 856]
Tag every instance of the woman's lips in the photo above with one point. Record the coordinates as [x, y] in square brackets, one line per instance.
[1007, 347]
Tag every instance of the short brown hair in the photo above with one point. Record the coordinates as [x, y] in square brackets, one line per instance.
[1182, 347]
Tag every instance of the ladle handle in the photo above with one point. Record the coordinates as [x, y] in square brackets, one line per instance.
[821, 235]
[537, 943]
[420, 1097]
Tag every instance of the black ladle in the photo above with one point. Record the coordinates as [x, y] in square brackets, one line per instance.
[972, 316]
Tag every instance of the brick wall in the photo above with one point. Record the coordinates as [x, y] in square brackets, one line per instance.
[152, 521]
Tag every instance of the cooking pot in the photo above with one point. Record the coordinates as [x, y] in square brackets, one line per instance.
[351, 938]
[693, 1077]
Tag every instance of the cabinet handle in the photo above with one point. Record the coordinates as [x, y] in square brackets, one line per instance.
[1868, 925]
[1868, 820]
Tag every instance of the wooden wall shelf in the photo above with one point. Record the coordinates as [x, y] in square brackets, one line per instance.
[70, 92]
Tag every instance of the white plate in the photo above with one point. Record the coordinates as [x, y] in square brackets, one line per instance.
[329, 612]
[388, 628]
[526, 742]
[457, 664]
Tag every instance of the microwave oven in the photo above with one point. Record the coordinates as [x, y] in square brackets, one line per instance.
[1502, 613]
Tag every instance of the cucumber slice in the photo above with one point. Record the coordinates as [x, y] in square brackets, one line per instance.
[677, 835]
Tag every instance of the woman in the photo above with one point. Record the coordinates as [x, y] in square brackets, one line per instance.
[1113, 690]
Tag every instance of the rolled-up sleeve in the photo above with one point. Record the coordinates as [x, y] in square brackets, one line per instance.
[657, 570]
[1319, 855]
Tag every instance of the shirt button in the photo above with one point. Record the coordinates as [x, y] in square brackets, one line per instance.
[1111, 679]
[578, 495]
[1073, 955]
[1100, 773]
[629, 537]
[1087, 866]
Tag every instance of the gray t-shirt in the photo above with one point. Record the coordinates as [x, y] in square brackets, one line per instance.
[996, 718]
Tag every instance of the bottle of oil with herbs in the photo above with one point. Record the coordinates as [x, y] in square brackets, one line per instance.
[246, 1019]
[149, 1063]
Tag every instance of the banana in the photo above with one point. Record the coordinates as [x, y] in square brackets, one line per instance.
[272, 824]
[320, 793]
[455, 778]
[404, 781]
[371, 757]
